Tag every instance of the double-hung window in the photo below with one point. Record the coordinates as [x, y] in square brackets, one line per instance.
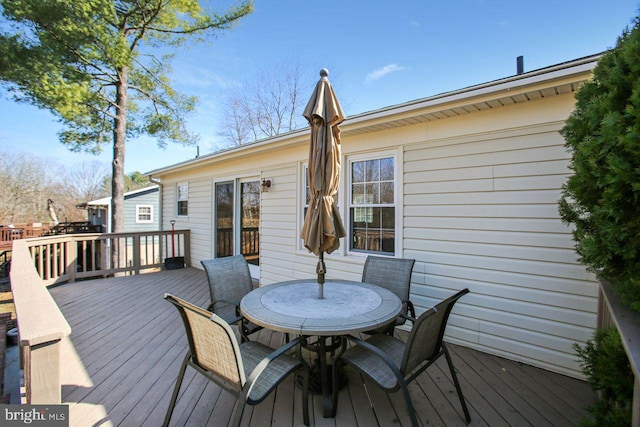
[372, 204]
[144, 214]
[183, 200]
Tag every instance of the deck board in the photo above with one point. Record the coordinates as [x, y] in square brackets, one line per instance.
[127, 344]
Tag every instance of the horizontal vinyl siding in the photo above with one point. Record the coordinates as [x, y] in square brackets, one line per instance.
[168, 205]
[278, 225]
[282, 256]
[483, 214]
[198, 219]
[130, 203]
[478, 209]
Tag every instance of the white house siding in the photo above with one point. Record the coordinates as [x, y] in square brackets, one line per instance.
[282, 256]
[278, 224]
[479, 190]
[198, 220]
[200, 207]
[481, 212]
[167, 204]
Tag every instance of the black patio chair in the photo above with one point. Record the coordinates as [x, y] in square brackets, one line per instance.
[248, 370]
[393, 274]
[229, 281]
[391, 363]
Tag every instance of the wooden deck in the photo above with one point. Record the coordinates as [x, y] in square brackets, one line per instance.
[127, 343]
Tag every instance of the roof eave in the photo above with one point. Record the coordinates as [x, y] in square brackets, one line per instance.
[456, 102]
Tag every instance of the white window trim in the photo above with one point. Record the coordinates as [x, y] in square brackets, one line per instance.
[144, 221]
[181, 184]
[345, 199]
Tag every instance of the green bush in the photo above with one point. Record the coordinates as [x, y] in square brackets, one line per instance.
[602, 198]
[607, 369]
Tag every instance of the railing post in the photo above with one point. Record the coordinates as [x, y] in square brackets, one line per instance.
[72, 253]
[603, 319]
[187, 248]
[162, 241]
[42, 362]
[136, 254]
[41, 329]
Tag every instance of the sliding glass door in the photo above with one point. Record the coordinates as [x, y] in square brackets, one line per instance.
[237, 219]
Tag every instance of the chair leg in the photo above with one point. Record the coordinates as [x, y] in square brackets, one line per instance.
[334, 389]
[305, 392]
[407, 398]
[244, 335]
[334, 376]
[305, 379]
[176, 389]
[457, 384]
[238, 411]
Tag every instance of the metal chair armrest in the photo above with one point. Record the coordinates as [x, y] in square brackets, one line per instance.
[409, 318]
[411, 309]
[239, 317]
[262, 365]
[384, 356]
[226, 301]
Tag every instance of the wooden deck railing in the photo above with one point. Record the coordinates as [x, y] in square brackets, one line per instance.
[76, 256]
[20, 231]
[249, 242]
[42, 261]
[25, 231]
[41, 328]
[612, 313]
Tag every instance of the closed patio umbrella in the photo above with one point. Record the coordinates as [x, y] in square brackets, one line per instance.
[322, 228]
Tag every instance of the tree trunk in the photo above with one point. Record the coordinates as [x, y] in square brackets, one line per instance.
[119, 135]
[118, 259]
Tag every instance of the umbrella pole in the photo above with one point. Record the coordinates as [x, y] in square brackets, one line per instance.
[321, 270]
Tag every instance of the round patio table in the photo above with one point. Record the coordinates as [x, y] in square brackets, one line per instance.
[347, 307]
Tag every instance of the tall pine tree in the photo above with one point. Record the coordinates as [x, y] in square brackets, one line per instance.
[91, 64]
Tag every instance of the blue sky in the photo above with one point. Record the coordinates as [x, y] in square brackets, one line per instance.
[379, 53]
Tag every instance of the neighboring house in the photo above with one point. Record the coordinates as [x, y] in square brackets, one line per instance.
[141, 210]
[466, 182]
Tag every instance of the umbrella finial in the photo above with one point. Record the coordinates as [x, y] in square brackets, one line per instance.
[324, 73]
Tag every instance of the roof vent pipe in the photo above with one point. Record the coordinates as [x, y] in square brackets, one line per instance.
[520, 64]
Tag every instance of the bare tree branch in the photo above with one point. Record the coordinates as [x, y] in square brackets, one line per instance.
[265, 107]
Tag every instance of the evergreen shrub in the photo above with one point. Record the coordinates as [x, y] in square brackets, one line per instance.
[602, 197]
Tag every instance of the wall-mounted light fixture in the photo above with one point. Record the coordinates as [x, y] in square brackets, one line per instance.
[266, 184]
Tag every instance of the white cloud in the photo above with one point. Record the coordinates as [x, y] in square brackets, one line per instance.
[196, 76]
[381, 72]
